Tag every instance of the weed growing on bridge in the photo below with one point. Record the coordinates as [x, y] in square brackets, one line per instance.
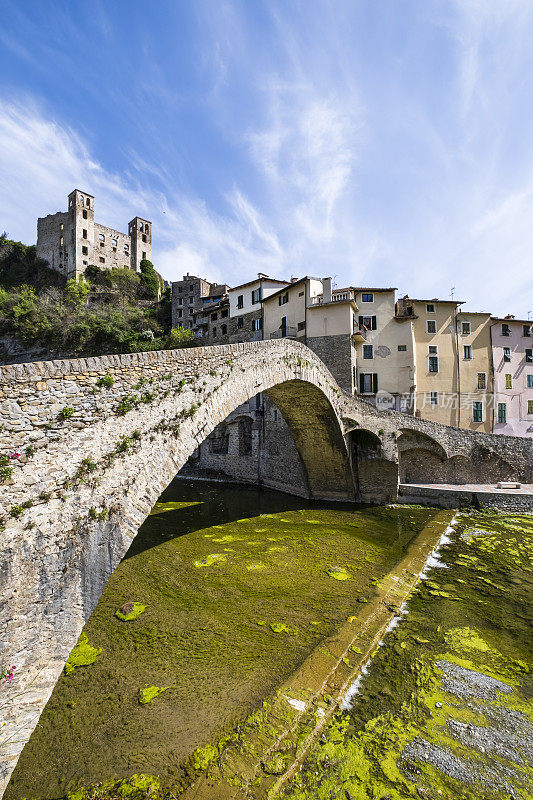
[6, 471]
[66, 413]
[126, 403]
[87, 466]
[94, 514]
[147, 397]
[105, 382]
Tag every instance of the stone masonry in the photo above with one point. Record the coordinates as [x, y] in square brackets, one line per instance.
[93, 442]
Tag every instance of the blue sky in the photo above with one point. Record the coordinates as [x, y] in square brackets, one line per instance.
[384, 142]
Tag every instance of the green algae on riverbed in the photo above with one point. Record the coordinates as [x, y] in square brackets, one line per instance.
[199, 633]
[445, 710]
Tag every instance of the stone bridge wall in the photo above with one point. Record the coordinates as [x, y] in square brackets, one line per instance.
[85, 481]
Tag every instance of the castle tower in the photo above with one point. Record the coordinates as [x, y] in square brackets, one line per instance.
[80, 248]
[140, 232]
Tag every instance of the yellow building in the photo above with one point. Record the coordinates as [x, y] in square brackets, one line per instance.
[452, 362]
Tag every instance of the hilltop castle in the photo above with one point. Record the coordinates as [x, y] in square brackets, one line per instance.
[71, 240]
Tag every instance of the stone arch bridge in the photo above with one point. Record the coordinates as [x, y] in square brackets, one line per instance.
[98, 439]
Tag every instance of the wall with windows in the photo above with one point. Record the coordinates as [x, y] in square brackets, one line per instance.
[285, 312]
[248, 297]
[385, 369]
[512, 356]
[436, 361]
[111, 249]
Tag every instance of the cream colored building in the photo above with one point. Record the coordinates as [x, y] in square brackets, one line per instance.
[307, 310]
[452, 362]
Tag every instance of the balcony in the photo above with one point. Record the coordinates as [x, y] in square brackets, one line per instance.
[285, 333]
[359, 334]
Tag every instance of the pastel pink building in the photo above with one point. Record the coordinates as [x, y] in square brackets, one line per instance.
[512, 358]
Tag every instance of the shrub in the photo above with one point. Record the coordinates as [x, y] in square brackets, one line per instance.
[179, 337]
[127, 403]
[106, 381]
[66, 413]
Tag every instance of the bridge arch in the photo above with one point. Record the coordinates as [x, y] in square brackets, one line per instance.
[85, 494]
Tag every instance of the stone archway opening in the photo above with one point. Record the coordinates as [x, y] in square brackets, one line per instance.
[421, 458]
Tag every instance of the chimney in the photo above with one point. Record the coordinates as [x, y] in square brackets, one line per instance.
[326, 290]
[293, 280]
[509, 316]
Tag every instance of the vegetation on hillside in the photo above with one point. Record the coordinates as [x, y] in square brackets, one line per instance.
[111, 311]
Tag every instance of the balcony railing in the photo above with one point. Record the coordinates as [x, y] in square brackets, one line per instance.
[288, 332]
[359, 333]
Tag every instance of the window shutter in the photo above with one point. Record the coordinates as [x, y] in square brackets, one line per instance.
[279, 300]
[374, 323]
[361, 322]
[362, 383]
[375, 381]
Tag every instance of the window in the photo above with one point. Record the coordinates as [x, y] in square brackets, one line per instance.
[477, 411]
[101, 237]
[530, 381]
[506, 330]
[506, 353]
[61, 241]
[140, 226]
[301, 326]
[240, 322]
[144, 255]
[88, 203]
[240, 301]
[146, 227]
[368, 383]
[526, 330]
[529, 355]
[144, 237]
[180, 301]
[257, 324]
[431, 326]
[467, 352]
[101, 260]
[434, 398]
[508, 381]
[256, 296]
[283, 298]
[430, 308]
[114, 242]
[84, 214]
[180, 288]
[402, 348]
[530, 406]
[127, 247]
[85, 251]
[368, 351]
[180, 313]
[502, 412]
[214, 317]
[433, 358]
[370, 323]
[301, 294]
[465, 328]
[214, 331]
[191, 287]
[224, 330]
[367, 297]
[84, 233]
[224, 312]
[482, 380]
[191, 301]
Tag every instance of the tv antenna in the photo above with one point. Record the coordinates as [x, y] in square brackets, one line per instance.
[452, 292]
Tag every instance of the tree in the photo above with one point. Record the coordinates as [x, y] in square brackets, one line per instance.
[180, 337]
[149, 280]
[126, 281]
[76, 293]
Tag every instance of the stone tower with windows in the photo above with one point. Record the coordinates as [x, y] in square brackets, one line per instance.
[140, 233]
[71, 240]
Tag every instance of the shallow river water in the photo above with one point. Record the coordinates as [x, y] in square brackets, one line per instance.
[223, 593]
[445, 709]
